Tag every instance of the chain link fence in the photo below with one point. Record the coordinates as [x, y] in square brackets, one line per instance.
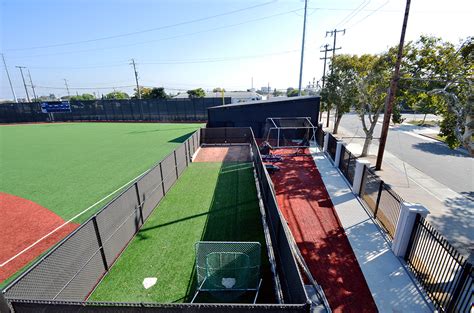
[70, 271]
[64, 278]
[162, 110]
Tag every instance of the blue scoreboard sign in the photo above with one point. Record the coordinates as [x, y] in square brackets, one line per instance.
[55, 107]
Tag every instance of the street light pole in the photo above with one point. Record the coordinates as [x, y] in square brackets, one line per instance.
[302, 47]
[9, 79]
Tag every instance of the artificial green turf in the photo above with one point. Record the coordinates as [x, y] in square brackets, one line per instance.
[68, 167]
[210, 201]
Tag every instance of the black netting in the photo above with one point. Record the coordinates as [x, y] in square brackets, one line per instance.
[169, 171]
[112, 216]
[151, 190]
[181, 158]
[57, 269]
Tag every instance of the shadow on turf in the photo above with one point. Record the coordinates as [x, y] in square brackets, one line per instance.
[234, 215]
[162, 130]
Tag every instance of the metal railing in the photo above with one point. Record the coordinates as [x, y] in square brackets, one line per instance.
[332, 146]
[347, 164]
[383, 202]
[442, 271]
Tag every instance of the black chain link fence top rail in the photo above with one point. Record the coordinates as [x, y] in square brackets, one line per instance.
[163, 110]
[71, 270]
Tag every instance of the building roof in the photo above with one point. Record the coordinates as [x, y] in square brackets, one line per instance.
[272, 100]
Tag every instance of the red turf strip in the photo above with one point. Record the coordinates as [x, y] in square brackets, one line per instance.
[23, 222]
[310, 214]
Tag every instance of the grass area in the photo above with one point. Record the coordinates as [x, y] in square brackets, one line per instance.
[423, 124]
[68, 167]
[210, 201]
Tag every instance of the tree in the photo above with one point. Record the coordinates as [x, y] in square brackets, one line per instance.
[218, 89]
[84, 96]
[144, 93]
[438, 79]
[292, 92]
[372, 79]
[277, 93]
[196, 93]
[340, 90]
[117, 95]
[158, 93]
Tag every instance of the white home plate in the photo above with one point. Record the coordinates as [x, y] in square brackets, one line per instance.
[149, 282]
[228, 282]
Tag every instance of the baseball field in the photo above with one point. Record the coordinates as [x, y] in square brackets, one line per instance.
[212, 201]
[55, 176]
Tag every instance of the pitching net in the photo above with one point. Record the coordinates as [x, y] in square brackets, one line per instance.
[290, 132]
[228, 269]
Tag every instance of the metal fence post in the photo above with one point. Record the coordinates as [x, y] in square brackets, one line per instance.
[139, 202]
[337, 158]
[176, 164]
[410, 214]
[162, 180]
[359, 176]
[99, 241]
[459, 290]
[378, 198]
[186, 153]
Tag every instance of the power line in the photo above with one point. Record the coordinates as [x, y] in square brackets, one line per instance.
[146, 30]
[370, 14]
[354, 12]
[165, 38]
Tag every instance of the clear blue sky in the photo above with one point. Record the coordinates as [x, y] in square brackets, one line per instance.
[213, 46]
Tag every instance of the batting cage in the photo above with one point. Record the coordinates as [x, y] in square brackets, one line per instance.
[289, 132]
[228, 269]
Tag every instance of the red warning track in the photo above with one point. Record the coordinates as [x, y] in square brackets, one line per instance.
[22, 223]
[311, 216]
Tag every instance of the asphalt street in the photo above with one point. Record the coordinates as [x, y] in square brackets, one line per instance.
[452, 168]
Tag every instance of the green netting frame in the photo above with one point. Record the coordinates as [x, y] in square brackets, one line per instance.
[224, 267]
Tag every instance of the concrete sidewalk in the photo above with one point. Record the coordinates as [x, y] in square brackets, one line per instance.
[390, 284]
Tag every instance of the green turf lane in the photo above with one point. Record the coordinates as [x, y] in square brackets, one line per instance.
[68, 167]
[210, 201]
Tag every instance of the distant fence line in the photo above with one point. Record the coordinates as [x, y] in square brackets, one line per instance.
[446, 276]
[161, 110]
[64, 277]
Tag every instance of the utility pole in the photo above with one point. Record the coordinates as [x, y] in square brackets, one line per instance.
[392, 90]
[334, 34]
[24, 83]
[136, 78]
[302, 47]
[67, 88]
[138, 86]
[326, 50]
[9, 79]
[32, 86]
